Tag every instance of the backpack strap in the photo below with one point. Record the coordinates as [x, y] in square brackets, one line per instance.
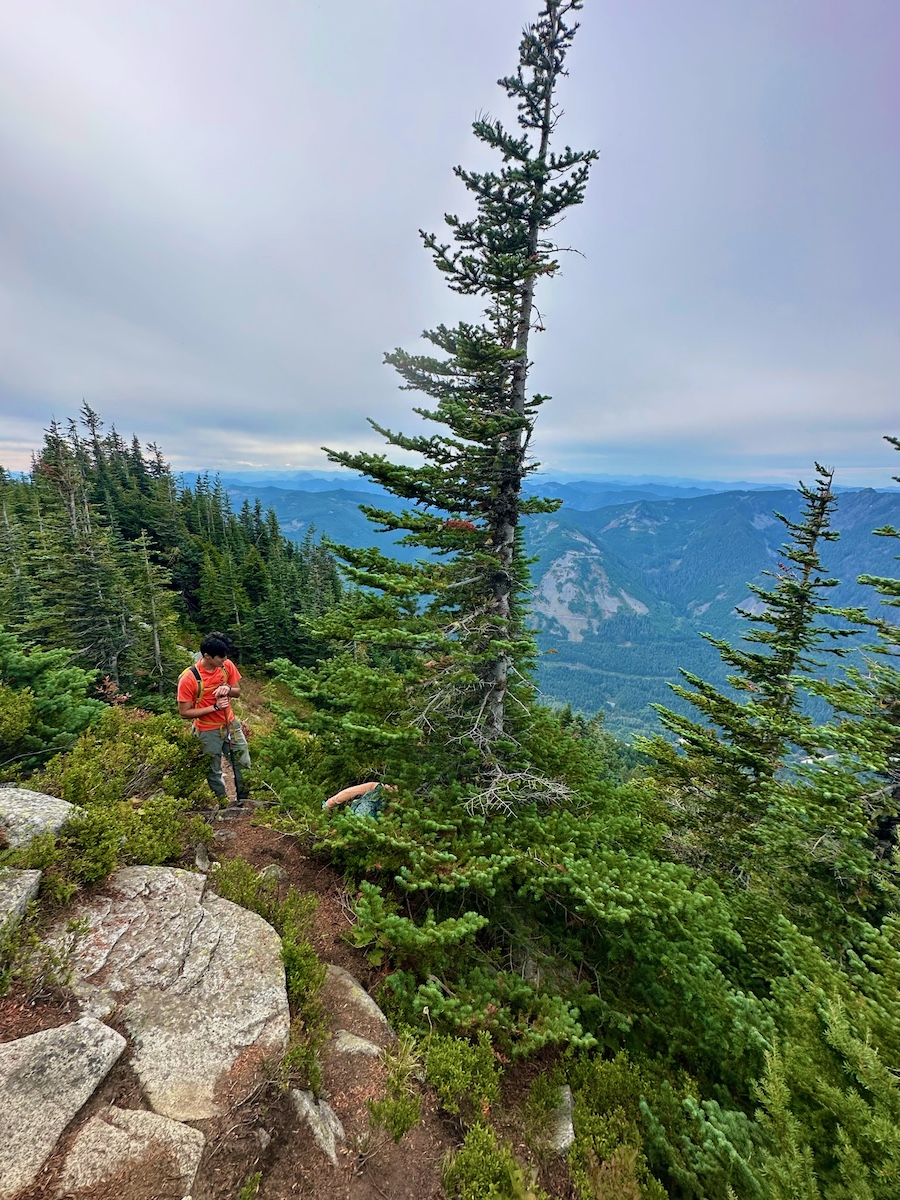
[196, 674]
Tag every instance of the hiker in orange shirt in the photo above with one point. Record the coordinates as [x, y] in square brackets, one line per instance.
[204, 696]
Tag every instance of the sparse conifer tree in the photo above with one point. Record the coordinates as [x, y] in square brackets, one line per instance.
[467, 500]
[719, 768]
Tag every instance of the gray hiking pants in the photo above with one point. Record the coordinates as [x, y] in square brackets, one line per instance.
[214, 744]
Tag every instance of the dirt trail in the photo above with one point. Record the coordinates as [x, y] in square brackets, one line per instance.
[372, 1166]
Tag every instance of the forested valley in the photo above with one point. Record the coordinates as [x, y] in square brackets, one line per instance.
[696, 938]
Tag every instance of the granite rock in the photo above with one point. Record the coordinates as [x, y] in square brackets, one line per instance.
[198, 980]
[45, 1079]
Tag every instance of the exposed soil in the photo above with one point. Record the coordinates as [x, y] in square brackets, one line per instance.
[22, 1013]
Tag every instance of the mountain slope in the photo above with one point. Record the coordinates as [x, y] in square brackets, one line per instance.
[622, 592]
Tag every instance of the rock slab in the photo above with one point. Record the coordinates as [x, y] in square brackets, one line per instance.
[117, 1144]
[45, 1079]
[342, 982]
[17, 889]
[25, 814]
[344, 1042]
[199, 982]
[561, 1134]
[322, 1120]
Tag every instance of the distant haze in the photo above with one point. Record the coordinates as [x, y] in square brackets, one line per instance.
[209, 213]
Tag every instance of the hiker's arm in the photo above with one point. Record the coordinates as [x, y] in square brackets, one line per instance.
[349, 793]
[232, 684]
[186, 709]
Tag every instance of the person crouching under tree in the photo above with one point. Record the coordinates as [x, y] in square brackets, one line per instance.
[204, 696]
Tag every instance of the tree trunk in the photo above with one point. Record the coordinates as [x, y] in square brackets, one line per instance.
[513, 470]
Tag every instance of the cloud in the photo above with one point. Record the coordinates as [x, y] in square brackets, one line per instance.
[209, 213]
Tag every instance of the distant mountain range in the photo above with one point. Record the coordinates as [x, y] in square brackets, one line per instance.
[628, 574]
[623, 592]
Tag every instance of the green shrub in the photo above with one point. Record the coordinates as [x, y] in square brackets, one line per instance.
[251, 1187]
[289, 915]
[617, 1177]
[16, 715]
[540, 1106]
[44, 703]
[31, 963]
[484, 1170]
[706, 1149]
[401, 1107]
[129, 755]
[465, 1075]
[300, 1066]
[432, 945]
[287, 762]
[97, 841]
[396, 1112]
[239, 881]
[829, 1105]
[609, 1128]
[133, 777]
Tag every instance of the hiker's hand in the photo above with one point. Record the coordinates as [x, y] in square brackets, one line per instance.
[221, 702]
[222, 690]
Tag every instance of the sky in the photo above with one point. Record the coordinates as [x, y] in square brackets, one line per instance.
[209, 216]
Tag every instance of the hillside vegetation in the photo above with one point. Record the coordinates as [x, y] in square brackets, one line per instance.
[704, 950]
[695, 939]
[101, 551]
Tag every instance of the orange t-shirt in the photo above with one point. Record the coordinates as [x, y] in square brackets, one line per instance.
[188, 688]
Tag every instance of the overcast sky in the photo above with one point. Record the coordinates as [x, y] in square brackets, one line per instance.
[209, 208]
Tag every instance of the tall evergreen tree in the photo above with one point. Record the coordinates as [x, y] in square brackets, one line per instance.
[870, 699]
[468, 491]
[156, 654]
[85, 595]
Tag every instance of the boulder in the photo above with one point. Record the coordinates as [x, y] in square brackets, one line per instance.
[25, 814]
[344, 1042]
[17, 889]
[121, 1144]
[199, 982]
[45, 1079]
[322, 1120]
[273, 871]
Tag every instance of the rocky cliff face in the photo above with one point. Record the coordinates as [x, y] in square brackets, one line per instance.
[576, 594]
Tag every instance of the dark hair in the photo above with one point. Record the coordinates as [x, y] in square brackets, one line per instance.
[215, 645]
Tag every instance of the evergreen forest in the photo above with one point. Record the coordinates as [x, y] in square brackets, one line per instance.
[698, 934]
[104, 552]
